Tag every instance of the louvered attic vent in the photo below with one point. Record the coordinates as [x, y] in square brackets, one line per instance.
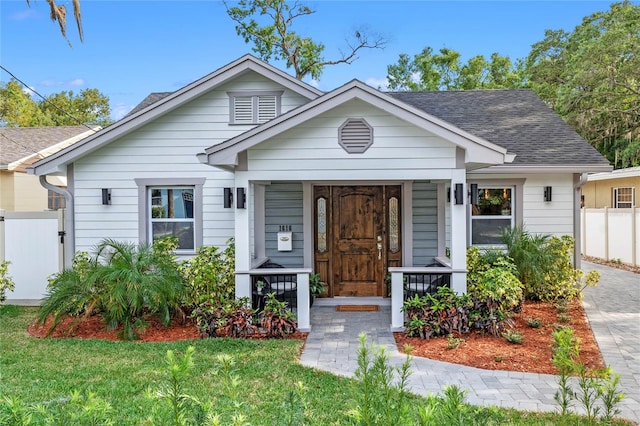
[355, 136]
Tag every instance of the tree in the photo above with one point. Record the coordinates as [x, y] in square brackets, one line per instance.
[268, 25]
[18, 109]
[444, 71]
[591, 78]
[59, 14]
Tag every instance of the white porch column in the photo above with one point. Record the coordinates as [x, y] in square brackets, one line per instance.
[304, 317]
[397, 299]
[242, 236]
[459, 234]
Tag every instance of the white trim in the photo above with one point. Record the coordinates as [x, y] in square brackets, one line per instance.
[616, 174]
[543, 169]
[307, 225]
[225, 154]
[169, 103]
[407, 223]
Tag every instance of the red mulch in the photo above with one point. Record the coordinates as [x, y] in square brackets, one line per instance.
[495, 353]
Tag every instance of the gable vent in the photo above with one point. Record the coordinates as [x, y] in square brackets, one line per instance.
[355, 136]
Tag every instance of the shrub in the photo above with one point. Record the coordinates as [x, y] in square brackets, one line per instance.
[534, 322]
[544, 265]
[276, 319]
[123, 282]
[6, 282]
[437, 315]
[233, 318]
[209, 277]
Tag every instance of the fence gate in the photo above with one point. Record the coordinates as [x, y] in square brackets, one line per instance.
[33, 243]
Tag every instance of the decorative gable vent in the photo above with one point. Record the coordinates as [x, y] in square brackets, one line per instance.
[355, 135]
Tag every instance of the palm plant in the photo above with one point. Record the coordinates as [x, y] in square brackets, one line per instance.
[137, 279]
[531, 257]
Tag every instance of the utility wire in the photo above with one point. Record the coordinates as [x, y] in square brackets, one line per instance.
[48, 101]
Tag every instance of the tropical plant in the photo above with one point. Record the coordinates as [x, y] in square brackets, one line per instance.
[6, 282]
[276, 319]
[123, 283]
[233, 318]
[437, 315]
[316, 287]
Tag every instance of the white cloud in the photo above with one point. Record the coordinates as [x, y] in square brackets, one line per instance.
[120, 110]
[378, 83]
[315, 83]
[76, 82]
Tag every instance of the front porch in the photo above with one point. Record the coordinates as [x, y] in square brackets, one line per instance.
[292, 286]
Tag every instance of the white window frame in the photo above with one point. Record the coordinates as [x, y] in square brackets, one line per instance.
[145, 221]
[258, 106]
[517, 204]
[617, 203]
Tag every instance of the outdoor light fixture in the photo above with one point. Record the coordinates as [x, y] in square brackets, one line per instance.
[241, 198]
[228, 197]
[547, 193]
[106, 196]
[473, 192]
[459, 194]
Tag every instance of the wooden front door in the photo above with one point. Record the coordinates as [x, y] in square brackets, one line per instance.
[357, 237]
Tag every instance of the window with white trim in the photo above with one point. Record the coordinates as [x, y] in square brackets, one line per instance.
[171, 213]
[623, 198]
[253, 107]
[493, 212]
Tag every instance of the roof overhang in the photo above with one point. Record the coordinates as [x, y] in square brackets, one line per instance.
[541, 169]
[56, 162]
[616, 174]
[477, 150]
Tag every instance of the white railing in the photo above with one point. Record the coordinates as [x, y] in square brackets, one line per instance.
[611, 234]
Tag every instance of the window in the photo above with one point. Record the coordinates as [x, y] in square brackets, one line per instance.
[171, 207]
[493, 212]
[253, 107]
[55, 201]
[623, 198]
[171, 214]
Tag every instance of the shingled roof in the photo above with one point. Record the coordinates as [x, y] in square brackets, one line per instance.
[151, 99]
[17, 143]
[515, 119]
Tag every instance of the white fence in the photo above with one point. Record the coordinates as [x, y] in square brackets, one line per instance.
[30, 241]
[612, 234]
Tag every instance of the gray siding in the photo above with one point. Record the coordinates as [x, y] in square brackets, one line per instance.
[425, 223]
[283, 206]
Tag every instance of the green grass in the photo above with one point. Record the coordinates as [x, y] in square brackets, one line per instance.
[36, 370]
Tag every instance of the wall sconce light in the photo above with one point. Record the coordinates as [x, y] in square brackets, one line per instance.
[473, 193]
[459, 194]
[241, 198]
[106, 196]
[227, 197]
[448, 195]
[547, 193]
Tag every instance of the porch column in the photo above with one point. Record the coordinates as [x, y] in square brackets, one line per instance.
[459, 234]
[242, 235]
[304, 316]
[397, 300]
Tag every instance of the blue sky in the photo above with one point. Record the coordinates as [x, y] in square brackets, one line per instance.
[133, 48]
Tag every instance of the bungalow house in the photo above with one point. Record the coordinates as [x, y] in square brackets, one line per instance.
[616, 189]
[355, 184]
[19, 148]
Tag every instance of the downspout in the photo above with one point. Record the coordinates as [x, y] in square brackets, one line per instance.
[69, 236]
[577, 230]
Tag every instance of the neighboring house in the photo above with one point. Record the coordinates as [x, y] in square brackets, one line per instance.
[353, 184]
[19, 148]
[616, 189]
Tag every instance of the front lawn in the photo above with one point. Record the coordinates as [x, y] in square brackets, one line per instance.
[42, 370]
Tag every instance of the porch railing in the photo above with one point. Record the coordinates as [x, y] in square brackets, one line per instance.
[290, 285]
[407, 282]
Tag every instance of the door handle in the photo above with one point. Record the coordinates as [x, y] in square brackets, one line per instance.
[379, 247]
